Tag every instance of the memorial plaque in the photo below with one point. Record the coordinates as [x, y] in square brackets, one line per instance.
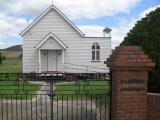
[132, 85]
[132, 81]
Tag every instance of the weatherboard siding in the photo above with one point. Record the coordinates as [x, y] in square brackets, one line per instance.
[51, 44]
[78, 51]
[81, 55]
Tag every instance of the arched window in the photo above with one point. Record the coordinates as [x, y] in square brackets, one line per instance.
[95, 52]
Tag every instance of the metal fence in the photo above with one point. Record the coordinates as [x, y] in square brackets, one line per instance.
[56, 96]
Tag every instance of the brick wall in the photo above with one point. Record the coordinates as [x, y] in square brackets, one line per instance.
[129, 66]
[153, 106]
[129, 104]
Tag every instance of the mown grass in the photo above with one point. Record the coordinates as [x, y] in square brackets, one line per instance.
[13, 87]
[17, 90]
[94, 87]
[92, 90]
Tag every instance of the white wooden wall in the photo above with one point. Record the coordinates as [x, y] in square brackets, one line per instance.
[78, 51]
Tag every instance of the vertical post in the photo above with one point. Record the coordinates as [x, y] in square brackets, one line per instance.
[129, 66]
[51, 98]
[110, 95]
[63, 60]
[39, 60]
[51, 94]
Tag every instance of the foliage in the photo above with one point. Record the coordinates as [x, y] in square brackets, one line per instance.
[146, 33]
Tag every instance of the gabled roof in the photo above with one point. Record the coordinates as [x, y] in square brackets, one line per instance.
[47, 37]
[44, 13]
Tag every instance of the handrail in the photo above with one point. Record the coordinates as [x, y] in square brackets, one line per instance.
[82, 70]
[86, 66]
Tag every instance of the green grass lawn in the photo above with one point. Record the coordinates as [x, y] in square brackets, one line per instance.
[94, 87]
[8, 85]
[12, 87]
[95, 90]
[17, 89]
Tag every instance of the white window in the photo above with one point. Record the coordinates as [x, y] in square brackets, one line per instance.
[95, 52]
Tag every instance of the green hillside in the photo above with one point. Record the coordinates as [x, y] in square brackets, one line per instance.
[12, 63]
[16, 48]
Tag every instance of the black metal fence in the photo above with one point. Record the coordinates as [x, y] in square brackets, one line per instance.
[57, 96]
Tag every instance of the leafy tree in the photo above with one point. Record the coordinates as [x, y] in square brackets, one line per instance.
[146, 33]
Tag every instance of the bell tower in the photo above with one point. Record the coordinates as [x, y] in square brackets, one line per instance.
[107, 32]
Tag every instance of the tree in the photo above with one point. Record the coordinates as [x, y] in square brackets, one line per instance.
[146, 33]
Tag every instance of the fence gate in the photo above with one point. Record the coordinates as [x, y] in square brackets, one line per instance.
[54, 96]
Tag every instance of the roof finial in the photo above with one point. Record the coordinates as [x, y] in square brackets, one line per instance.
[52, 2]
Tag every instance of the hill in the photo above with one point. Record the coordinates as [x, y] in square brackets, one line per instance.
[16, 48]
[12, 62]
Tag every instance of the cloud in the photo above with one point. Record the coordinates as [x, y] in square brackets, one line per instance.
[10, 27]
[74, 9]
[1, 42]
[9, 22]
[145, 12]
[92, 30]
[121, 31]
[12, 14]
[118, 32]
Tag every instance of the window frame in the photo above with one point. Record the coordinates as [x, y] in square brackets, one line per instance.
[95, 52]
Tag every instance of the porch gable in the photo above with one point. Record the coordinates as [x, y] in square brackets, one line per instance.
[51, 41]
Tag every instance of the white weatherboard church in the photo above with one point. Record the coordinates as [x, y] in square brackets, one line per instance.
[52, 43]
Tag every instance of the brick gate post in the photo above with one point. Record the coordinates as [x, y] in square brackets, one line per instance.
[129, 66]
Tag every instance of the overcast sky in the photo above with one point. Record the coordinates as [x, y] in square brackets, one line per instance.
[91, 16]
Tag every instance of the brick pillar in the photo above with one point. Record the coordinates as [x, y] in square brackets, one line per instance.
[129, 66]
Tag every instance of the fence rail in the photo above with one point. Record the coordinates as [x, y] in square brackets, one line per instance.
[54, 96]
